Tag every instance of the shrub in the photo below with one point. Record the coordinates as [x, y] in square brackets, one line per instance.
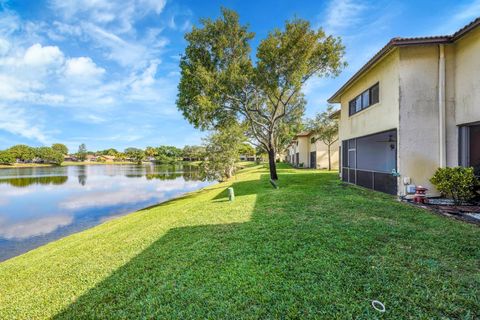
[459, 183]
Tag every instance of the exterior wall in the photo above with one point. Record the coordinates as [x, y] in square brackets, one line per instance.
[291, 153]
[451, 134]
[419, 115]
[409, 102]
[378, 117]
[322, 155]
[303, 149]
[467, 80]
[418, 135]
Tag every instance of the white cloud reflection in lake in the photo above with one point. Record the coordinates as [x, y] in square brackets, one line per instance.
[39, 205]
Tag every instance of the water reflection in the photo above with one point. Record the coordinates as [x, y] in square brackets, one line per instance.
[82, 175]
[38, 205]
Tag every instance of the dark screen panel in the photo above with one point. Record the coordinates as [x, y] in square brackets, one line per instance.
[385, 182]
[365, 179]
[351, 176]
[345, 153]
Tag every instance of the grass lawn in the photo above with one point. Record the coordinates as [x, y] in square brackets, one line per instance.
[314, 248]
[24, 165]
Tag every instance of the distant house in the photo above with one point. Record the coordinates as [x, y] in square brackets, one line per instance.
[245, 157]
[106, 158]
[68, 157]
[307, 151]
[414, 107]
[91, 158]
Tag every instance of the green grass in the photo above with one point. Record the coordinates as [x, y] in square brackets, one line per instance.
[24, 165]
[314, 248]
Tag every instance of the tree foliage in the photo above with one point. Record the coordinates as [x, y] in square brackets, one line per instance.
[48, 155]
[325, 128]
[247, 149]
[22, 153]
[135, 154]
[223, 150]
[60, 148]
[151, 152]
[221, 85]
[6, 157]
[193, 153]
[109, 152]
[82, 152]
[167, 154]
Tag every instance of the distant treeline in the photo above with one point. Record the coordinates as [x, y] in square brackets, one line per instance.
[58, 153]
[25, 154]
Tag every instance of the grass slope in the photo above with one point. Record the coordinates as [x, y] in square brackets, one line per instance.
[313, 248]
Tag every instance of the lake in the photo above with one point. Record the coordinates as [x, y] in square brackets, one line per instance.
[42, 204]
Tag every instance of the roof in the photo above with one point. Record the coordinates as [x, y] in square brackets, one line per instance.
[336, 114]
[398, 42]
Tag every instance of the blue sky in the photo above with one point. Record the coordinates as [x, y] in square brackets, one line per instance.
[105, 72]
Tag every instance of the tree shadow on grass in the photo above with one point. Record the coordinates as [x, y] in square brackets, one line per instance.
[294, 259]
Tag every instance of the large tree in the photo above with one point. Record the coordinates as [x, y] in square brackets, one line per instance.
[135, 154]
[220, 84]
[6, 157]
[325, 128]
[49, 155]
[22, 153]
[82, 152]
[223, 148]
[60, 148]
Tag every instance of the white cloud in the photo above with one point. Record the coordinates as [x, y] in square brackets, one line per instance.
[343, 14]
[120, 15]
[146, 78]
[83, 67]
[38, 56]
[458, 18]
[156, 5]
[468, 12]
[16, 121]
[118, 71]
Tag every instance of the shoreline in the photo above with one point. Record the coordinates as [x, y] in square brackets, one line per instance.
[118, 216]
[73, 163]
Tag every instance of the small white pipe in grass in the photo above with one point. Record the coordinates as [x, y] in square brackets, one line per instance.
[231, 194]
[377, 305]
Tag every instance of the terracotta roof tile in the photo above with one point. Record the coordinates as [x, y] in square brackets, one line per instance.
[405, 41]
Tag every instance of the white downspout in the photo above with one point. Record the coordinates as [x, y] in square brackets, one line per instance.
[441, 107]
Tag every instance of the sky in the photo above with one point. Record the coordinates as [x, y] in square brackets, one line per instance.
[105, 72]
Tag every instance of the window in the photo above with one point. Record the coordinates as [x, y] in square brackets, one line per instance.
[374, 93]
[364, 100]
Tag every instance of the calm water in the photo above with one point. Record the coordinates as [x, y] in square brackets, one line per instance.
[39, 205]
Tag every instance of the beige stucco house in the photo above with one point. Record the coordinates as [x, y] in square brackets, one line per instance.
[308, 152]
[414, 107]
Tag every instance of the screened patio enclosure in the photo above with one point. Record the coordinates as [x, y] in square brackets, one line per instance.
[371, 161]
[469, 151]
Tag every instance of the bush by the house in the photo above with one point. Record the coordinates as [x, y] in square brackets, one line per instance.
[458, 183]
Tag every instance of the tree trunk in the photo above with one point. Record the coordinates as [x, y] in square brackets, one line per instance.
[272, 164]
[329, 161]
